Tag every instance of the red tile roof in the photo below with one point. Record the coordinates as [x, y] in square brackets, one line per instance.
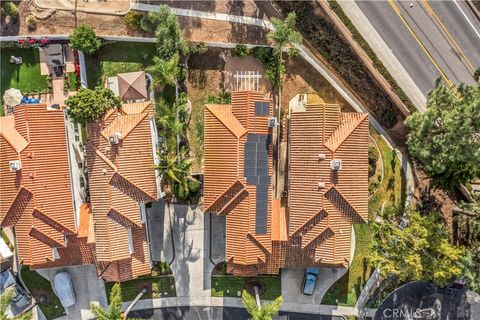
[225, 187]
[37, 200]
[315, 228]
[120, 178]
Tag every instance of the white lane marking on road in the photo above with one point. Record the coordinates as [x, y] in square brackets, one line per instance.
[469, 22]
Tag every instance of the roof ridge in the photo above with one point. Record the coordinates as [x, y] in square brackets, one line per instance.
[117, 216]
[14, 131]
[103, 157]
[136, 116]
[13, 205]
[145, 194]
[236, 134]
[50, 222]
[346, 214]
[330, 144]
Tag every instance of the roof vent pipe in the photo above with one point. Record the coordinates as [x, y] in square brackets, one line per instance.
[321, 185]
[321, 156]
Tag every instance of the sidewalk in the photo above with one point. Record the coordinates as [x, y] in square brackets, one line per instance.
[384, 53]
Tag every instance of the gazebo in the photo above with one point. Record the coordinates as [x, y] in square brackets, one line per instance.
[132, 86]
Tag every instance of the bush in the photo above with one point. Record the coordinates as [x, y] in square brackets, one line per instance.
[321, 32]
[241, 50]
[9, 9]
[132, 20]
[90, 105]
[476, 75]
[84, 39]
[31, 22]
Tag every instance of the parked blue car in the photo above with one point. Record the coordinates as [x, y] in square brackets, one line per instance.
[310, 280]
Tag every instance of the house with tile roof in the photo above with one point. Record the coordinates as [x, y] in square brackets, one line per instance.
[120, 153]
[327, 184]
[36, 194]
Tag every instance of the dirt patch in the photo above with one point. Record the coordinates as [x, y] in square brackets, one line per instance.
[236, 66]
[301, 78]
[42, 295]
[205, 77]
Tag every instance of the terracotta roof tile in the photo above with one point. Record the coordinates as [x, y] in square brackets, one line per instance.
[224, 114]
[120, 177]
[37, 199]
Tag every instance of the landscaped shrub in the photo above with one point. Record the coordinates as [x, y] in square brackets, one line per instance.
[31, 22]
[320, 31]
[241, 50]
[84, 39]
[132, 20]
[372, 160]
[9, 9]
[221, 98]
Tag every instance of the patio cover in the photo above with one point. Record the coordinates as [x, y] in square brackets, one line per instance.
[132, 86]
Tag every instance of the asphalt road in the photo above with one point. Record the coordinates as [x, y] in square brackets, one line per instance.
[430, 39]
[216, 313]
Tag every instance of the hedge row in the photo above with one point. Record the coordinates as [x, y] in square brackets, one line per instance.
[371, 54]
[320, 31]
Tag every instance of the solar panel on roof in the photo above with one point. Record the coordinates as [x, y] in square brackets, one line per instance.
[261, 108]
[256, 172]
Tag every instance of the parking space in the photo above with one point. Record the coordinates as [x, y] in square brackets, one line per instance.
[292, 284]
[88, 288]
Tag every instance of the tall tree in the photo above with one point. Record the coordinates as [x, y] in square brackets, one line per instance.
[83, 38]
[284, 35]
[446, 138]
[265, 312]
[5, 299]
[90, 105]
[164, 24]
[420, 251]
[164, 72]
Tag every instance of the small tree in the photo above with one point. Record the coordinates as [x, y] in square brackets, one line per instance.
[90, 105]
[445, 139]
[241, 50]
[9, 9]
[133, 20]
[265, 312]
[164, 24]
[283, 35]
[83, 38]
[420, 251]
[114, 310]
[5, 300]
[31, 22]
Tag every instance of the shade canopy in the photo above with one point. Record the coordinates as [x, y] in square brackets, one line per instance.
[132, 86]
[12, 97]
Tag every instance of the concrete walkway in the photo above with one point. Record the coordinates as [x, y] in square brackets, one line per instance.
[189, 229]
[88, 288]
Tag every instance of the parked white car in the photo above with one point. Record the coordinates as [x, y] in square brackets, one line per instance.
[62, 284]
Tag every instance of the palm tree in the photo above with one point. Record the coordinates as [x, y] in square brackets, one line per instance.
[261, 312]
[164, 72]
[284, 34]
[175, 170]
[5, 300]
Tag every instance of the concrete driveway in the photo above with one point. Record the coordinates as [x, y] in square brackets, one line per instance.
[88, 288]
[292, 284]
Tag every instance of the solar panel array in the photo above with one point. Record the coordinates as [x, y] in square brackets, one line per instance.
[256, 172]
[262, 109]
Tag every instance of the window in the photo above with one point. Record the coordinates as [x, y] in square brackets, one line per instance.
[82, 182]
[130, 240]
[55, 254]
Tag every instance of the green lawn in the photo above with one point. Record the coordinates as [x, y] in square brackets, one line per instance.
[158, 287]
[223, 283]
[26, 77]
[118, 57]
[347, 289]
[390, 189]
[38, 287]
